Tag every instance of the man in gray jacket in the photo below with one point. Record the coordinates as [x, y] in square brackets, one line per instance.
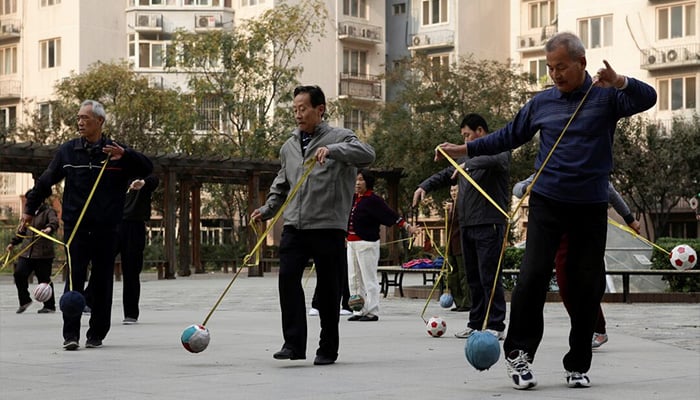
[314, 220]
[482, 226]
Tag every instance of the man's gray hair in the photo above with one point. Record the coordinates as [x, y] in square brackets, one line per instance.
[97, 108]
[569, 41]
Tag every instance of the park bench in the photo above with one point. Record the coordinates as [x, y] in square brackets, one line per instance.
[392, 276]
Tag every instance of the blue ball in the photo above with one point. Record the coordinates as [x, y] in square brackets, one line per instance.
[72, 303]
[446, 300]
[482, 350]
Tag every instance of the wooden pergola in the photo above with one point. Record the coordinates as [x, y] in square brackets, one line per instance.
[187, 174]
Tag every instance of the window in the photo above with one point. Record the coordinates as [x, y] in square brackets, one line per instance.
[439, 64]
[399, 9]
[538, 69]
[355, 8]
[153, 2]
[678, 93]
[46, 114]
[355, 120]
[50, 53]
[217, 3]
[676, 21]
[355, 62]
[434, 12]
[7, 184]
[46, 3]
[542, 13]
[596, 32]
[8, 7]
[209, 113]
[8, 118]
[8, 58]
[152, 54]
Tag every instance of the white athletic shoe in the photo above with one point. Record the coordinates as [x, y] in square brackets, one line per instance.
[518, 365]
[577, 380]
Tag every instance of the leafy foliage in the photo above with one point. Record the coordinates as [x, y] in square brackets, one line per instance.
[655, 168]
[429, 107]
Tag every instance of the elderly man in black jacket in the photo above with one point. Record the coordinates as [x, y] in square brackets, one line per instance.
[79, 162]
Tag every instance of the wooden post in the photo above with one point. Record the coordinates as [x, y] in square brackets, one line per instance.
[170, 206]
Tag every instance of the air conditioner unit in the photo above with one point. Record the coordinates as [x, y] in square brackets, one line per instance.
[672, 55]
[148, 21]
[651, 59]
[9, 28]
[206, 21]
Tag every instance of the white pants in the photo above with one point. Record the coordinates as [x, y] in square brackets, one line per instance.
[362, 274]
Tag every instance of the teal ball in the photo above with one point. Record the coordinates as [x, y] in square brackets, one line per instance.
[482, 350]
[356, 302]
[446, 300]
[72, 303]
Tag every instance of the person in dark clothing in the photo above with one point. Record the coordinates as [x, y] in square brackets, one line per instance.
[573, 182]
[37, 259]
[457, 277]
[368, 212]
[315, 220]
[93, 241]
[132, 241]
[482, 225]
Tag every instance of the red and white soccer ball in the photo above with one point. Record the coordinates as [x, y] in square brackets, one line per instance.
[436, 326]
[683, 257]
[42, 292]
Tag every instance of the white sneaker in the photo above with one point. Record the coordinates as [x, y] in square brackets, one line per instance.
[498, 334]
[345, 312]
[465, 333]
[577, 380]
[518, 366]
[313, 312]
[599, 339]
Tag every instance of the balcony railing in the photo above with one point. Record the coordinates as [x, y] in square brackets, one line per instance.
[360, 86]
[9, 28]
[359, 32]
[536, 40]
[10, 89]
[432, 40]
[656, 58]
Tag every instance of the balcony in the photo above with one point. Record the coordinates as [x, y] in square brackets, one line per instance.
[433, 40]
[367, 87]
[9, 28]
[10, 89]
[359, 33]
[149, 23]
[536, 41]
[658, 58]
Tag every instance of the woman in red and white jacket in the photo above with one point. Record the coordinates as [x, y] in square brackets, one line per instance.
[368, 212]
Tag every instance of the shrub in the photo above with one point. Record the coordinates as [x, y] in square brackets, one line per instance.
[659, 260]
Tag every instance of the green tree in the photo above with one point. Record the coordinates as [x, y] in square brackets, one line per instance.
[429, 108]
[656, 167]
[146, 117]
[244, 74]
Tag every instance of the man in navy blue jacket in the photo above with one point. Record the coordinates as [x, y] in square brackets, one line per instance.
[79, 162]
[570, 198]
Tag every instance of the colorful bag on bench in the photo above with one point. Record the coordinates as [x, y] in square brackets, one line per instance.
[418, 263]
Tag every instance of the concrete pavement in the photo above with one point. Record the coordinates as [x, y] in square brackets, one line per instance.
[653, 352]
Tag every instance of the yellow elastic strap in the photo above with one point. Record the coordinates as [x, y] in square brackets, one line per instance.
[9, 261]
[472, 181]
[638, 236]
[87, 202]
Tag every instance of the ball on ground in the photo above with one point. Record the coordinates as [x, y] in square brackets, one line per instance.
[356, 302]
[482, 350]
[42, 292]
[72, 303]
[446, 300]
[436, 326]
[195, 338]
[683, 257]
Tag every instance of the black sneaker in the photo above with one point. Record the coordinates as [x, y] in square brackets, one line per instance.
[23, 307]
[46, 310]
[70, 344]
[288, 354]
[93, 343]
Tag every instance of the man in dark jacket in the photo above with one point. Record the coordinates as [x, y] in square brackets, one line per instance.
[481, 225]
[79, 162]
[38, 258]
[132, 241]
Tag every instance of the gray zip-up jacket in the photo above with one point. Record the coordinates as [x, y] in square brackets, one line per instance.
[325, 198]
